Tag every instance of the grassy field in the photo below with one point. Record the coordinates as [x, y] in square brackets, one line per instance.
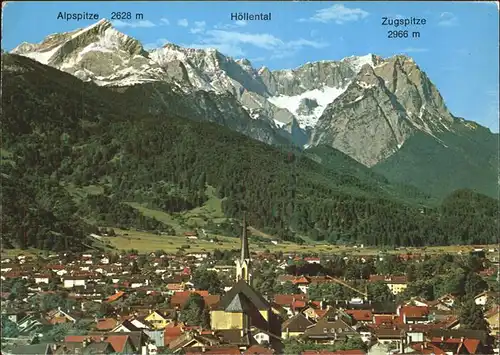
[188, 220]
[147, 242]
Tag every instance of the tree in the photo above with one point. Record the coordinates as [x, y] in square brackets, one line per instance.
[472, 316]
[204, 279]
[287, 288]
[379, 292]
[57, 333]
[193, 312]
[474, 284]
[9, 328]
[18, 290]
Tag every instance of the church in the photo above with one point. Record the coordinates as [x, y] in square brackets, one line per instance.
[243, 316]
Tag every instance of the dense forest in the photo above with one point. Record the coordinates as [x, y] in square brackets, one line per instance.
[59, 132]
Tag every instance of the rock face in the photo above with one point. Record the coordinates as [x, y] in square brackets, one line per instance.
[365, 106]
[384, 105]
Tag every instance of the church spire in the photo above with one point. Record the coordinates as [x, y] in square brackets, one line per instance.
[245, 252]
[243, 263]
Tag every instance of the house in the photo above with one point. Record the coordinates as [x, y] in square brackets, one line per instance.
[424, 348]
[295, 326]
[362, 316]
[330, 328]
[175, 287]
[35, 349]
[157, 319]
[396, 284]
[482, 298]
[312, 260]
[125, 327]
[493, 319]
[59, 316]
[461, 341]
[191, 235]
[121, 344]
[106, 324]
[73, 281]
[413, 314]
[414, 335]
[291, 303]
[258, 350]
[390, 336]
[302, 283]
[31, 323]
[42, 278]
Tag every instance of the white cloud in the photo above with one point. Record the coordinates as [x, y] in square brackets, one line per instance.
[263, 40]
[227, 26]
[133, 24]
[240, 23]
[183, 22]
[232, 43]
[447, 19]
[160, 42]
[414, 50]
[164, 21]
[337, 13]
[199, 26]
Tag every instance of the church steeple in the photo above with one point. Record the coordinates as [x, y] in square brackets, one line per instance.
[244, 262]
[245, 253]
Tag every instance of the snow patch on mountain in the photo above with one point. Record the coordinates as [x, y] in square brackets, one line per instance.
[42, 57]
[324, 96]
[357, 62]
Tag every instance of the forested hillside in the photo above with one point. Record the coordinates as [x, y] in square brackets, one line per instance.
[61, 132]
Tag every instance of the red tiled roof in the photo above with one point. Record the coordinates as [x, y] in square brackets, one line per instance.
[288, 300]
[320, 312]
[118, 342]
[360, 315]
[81, 338]
[428, 348]
[338, 352]
[414, 311]
[299, 304]
[180, 298]
[470, 344]
[216, 351]
[380, 319]
[106, 324]
[315, 304]
[174, 286]
[258, 350]
[300, 280]
[171, 333]
[114, 297]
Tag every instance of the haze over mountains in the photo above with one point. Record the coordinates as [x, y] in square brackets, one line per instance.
[383, 112]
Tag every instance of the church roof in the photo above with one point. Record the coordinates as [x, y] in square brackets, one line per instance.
[239, 304]
[242, 295]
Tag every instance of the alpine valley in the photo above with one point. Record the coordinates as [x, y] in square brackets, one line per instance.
[100, 132]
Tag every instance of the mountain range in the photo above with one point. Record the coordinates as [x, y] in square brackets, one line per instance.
[334, 148]
[384, 113]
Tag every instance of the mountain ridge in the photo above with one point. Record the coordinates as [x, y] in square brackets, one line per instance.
[368, 107]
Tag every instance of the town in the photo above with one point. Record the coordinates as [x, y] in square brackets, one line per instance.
[239, 302]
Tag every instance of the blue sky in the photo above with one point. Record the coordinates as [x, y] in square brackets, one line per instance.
[457, 48]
